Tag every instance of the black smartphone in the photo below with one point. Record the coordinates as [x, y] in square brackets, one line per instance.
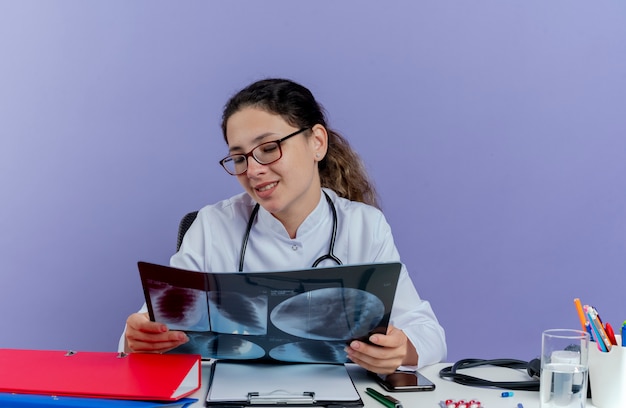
[404, 381]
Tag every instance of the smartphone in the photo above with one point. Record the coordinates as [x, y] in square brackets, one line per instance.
[404, 381]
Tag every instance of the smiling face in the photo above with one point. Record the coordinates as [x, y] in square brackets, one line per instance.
[289, 188]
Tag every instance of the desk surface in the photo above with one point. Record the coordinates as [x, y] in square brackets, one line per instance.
[489, 397]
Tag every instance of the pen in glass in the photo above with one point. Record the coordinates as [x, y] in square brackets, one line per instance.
[386, 400]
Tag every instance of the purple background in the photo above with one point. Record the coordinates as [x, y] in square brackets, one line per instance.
[495, 132]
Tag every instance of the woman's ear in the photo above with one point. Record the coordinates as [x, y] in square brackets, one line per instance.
[319, 141]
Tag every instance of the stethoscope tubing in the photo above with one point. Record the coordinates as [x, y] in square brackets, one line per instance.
[330, 255]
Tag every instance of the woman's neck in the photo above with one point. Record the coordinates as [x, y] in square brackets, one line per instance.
[293, 221]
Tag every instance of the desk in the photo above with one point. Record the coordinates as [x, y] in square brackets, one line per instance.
[489, 397]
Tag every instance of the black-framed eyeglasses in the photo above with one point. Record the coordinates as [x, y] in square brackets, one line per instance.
[265, 153]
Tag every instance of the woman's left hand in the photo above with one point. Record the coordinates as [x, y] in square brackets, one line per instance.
[385, 354]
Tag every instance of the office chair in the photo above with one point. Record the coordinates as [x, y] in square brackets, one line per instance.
[184, 225]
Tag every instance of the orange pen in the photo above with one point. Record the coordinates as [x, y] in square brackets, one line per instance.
[581, 314]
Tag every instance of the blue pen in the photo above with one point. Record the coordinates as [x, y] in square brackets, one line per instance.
[588, 327]
[599, 342]
[593, 319]
[624, 334]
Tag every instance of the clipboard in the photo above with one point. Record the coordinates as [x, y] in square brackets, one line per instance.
[285, 385]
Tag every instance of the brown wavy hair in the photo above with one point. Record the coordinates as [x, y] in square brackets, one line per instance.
[341, 170]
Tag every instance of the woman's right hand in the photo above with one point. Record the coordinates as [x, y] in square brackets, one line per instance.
[145, 336]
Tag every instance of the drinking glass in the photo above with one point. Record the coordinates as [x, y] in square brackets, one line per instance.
[564, 368]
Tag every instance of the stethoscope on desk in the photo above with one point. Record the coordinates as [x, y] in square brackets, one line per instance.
[330, 255]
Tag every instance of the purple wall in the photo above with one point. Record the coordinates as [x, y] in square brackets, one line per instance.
[495, 132]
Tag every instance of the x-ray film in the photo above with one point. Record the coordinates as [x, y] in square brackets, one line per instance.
[293, 316]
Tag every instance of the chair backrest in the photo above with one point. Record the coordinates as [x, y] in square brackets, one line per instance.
[184, 225]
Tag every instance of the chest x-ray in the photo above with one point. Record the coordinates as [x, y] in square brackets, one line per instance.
[293, 316]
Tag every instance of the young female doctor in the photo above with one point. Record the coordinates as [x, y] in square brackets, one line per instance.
[307, 202]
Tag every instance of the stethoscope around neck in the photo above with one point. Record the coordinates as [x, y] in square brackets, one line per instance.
[330, 255]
